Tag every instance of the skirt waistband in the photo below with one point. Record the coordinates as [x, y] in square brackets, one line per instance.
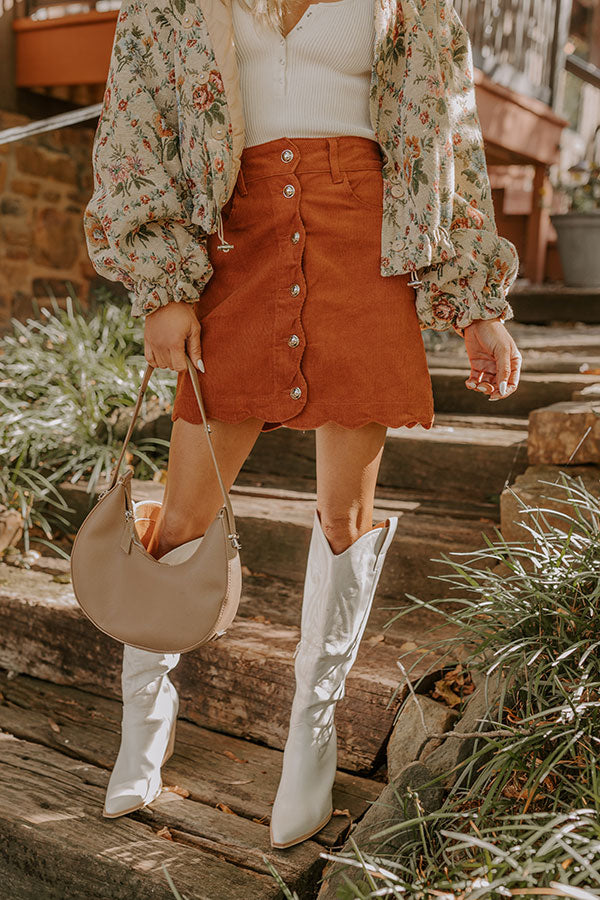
[311, 154]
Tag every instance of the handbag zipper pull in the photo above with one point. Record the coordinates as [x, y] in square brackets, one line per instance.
[127, 536]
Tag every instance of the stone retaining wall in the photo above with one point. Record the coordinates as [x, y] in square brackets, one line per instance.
[45, 183]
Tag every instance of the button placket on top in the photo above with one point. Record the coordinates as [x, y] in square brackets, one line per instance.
[289, 333]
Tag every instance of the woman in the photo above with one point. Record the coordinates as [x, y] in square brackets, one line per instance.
[292, 192]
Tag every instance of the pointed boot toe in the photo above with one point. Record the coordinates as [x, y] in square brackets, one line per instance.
[127, 800]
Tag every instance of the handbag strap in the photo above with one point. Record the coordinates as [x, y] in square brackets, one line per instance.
[196, 386]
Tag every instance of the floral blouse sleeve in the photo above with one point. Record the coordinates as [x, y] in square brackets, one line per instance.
[137, 227]
[474, 283]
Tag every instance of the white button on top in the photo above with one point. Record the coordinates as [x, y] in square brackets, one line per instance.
[287, 155]
[202, 77]
[397, 190]
[187, 20]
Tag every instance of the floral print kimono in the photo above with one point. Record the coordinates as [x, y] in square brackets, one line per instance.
[171, 131]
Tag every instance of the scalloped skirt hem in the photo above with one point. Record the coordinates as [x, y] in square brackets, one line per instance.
[305, 423]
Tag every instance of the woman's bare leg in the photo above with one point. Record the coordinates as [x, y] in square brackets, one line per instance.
[192, 495]
[347, 467]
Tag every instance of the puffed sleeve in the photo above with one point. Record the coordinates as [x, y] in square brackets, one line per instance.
[474, 283]
[137, 224]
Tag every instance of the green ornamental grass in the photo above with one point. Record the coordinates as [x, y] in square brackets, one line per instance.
[63, 377]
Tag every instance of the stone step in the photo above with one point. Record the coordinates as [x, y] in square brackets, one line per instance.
[462, 460]
[241, 684]
[534, 390]
[208, 827]
[275, 529]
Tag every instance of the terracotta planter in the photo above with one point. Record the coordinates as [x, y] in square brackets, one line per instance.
[579, 247]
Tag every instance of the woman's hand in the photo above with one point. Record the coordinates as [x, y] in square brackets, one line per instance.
[168, 332]
[494, 357]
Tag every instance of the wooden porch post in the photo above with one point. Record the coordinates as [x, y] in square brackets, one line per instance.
[538, 225]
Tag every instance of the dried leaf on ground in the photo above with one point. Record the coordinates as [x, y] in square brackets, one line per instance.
[230, 755]
[226, 809]
[176, 789]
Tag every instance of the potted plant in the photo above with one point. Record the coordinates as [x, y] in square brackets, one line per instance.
[578, 229]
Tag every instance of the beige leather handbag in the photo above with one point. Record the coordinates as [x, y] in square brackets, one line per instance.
[134, 598]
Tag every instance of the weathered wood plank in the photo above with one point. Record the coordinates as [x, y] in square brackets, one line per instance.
[275, 533]
[242, 684]
[54, 842]
[214, 768]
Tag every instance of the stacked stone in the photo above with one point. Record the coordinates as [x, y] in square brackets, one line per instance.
[45, 182]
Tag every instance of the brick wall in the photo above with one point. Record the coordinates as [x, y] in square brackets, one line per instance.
[45, 183]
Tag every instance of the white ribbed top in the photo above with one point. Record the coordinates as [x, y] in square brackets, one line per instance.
[313, 83]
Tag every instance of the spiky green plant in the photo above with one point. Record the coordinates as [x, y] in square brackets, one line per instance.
[62, 375]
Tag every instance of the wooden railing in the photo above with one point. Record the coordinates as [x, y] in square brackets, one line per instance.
[518, 43]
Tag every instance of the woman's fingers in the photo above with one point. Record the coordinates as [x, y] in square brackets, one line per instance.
[194, 347]
[480, 379]
[511, 371]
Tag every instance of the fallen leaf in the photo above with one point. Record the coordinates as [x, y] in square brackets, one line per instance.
[246, 570]
[232, 756]
[408, 645]
[341, 812]
[164, 833]
[176, 789]
[262, 821]
[54, 726]
[444, 692]
[226, 809]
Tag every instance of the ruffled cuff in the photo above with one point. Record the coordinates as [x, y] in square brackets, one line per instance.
[178, 282]
[472, 285]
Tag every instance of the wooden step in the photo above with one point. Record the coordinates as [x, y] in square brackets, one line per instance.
[544, 303]
[209, 826]
[56, 844]
[286, 456]
[241, 684]
[534, 390]
[214, 768]
[275, 529]
[533, 360]
[559, 337]
[462, 460]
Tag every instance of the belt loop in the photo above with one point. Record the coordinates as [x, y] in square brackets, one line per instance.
[334, 159]
[242, 183]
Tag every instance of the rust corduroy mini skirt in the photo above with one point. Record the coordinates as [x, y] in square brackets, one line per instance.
[298, 326]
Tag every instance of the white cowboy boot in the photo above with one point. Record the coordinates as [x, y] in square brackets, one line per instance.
[150, 704]
[338, 594]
